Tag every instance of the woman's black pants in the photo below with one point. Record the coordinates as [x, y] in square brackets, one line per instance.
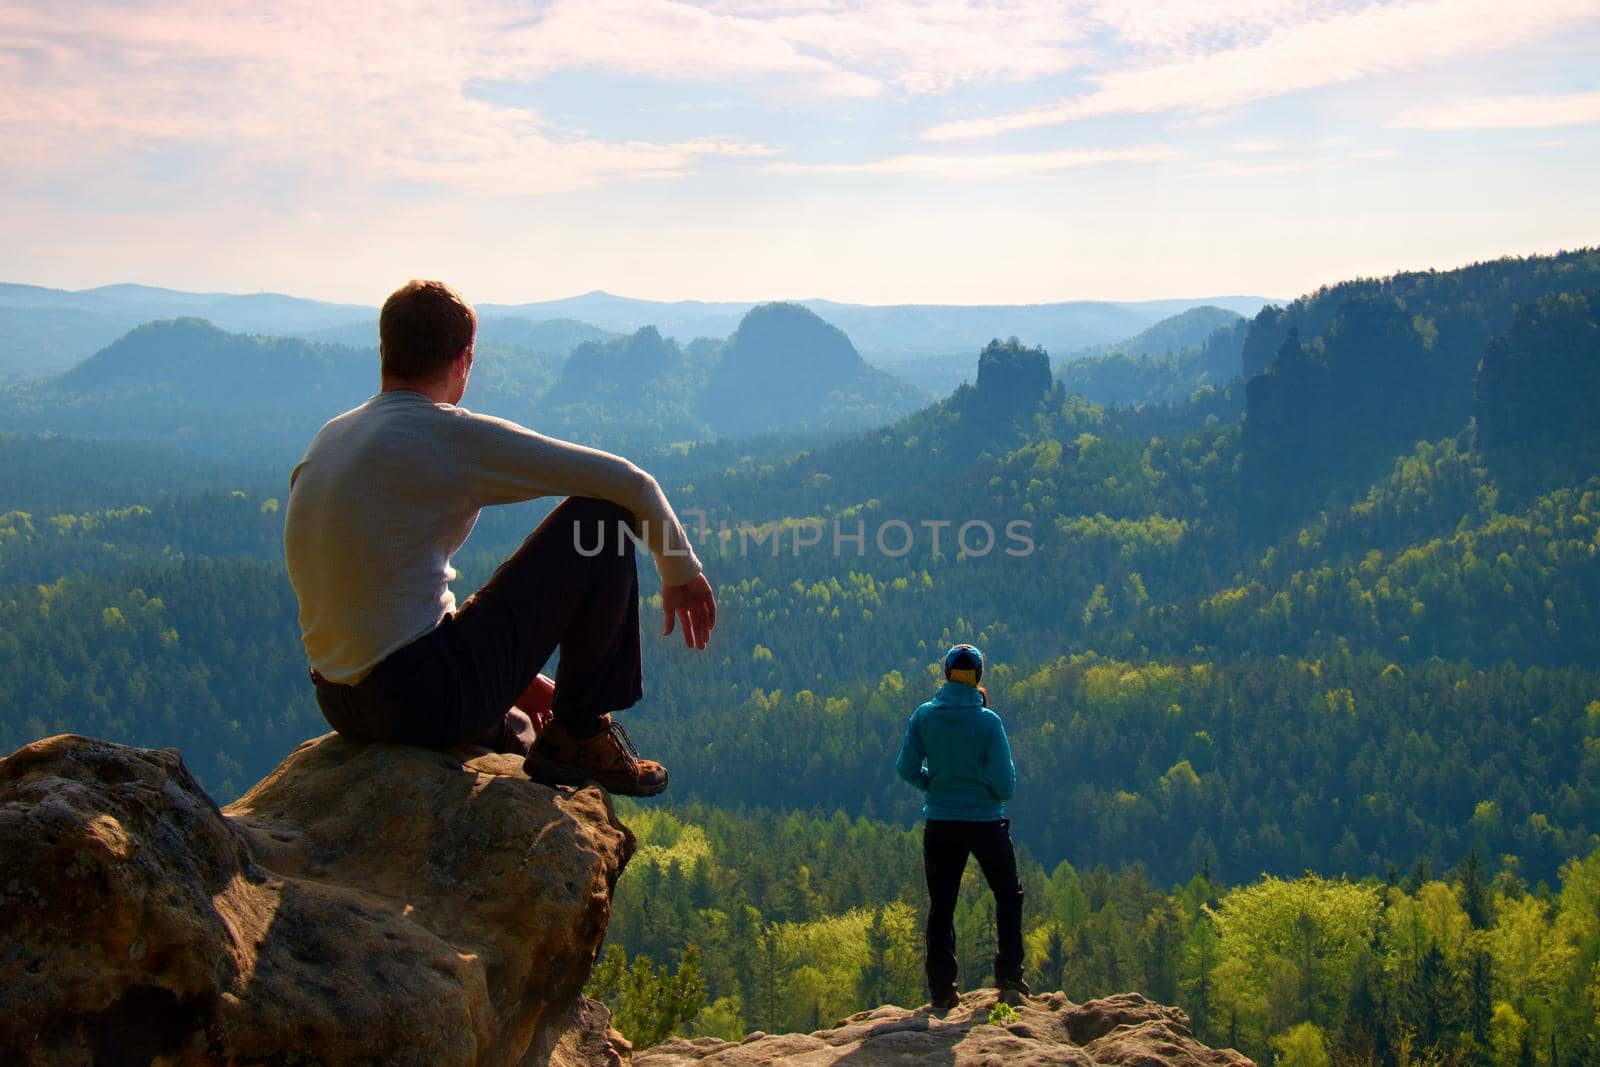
[946, 844]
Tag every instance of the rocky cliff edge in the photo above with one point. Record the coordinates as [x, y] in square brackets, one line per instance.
[362, 904]
[370, 904]
[1047, 1031]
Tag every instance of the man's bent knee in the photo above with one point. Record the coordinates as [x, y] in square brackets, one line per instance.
[588, 508]
[599, 527]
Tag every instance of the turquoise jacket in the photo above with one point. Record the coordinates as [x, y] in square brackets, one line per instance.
[955, 750]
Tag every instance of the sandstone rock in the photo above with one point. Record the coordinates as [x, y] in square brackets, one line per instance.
[386, 905]
[1012, 379]
[1050, 1030]
[362, 904]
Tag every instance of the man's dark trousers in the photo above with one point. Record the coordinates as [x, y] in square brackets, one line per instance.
[946, 844]
[572, 585]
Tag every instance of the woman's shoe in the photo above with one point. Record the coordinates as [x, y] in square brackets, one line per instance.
[1012, 989]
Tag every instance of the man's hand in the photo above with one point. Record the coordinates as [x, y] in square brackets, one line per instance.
[693, 607]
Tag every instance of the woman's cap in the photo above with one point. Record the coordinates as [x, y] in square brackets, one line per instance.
[964, 664]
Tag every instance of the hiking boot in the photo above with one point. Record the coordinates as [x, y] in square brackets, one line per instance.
[946, 999]
[607, 759]
[1017, 985]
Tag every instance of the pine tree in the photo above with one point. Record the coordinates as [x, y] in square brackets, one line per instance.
[1363, 1036]
[1435, 1000]
[1421, 873]
[1159, 942]
[1054, 964]
[1201, 953]
[648, 1002]
[874, 984]
[1480, 995]
[1475, 891]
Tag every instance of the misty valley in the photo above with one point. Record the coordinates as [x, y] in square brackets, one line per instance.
[1299, 656]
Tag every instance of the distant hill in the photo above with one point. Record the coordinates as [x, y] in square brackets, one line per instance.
[935, 375]
[1158, 364]
[1067, 331]
[1119, 360]
[1348, 378]
[682, 320]
[250, 312]
[942, 448]
[555, 337]
[785, 366]
[1471, 303]
[134, 299]
[889, 334]
[1166, 364]
[1535, 395]
[46, 330]
[204, 365]
[614, 369]
[638, 389]
[1186, 329]
[43, 330]
[190, 384]
[36, 341]
[1012, 380]
[783, 371]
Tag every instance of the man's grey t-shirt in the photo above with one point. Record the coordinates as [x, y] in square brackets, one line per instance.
[387, 493]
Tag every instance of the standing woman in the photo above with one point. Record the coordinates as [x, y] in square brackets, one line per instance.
[955, 751]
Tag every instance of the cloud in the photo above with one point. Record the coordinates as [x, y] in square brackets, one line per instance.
[1321, 162]
[1172, 28]
[831, 48]
[1277, 168]
[320, 94]
[1205, 120]
[1330, 49]
[968, 168]
[346, 97]
[935, 46]
[350, 95]
[1531, 111]
[665, 39]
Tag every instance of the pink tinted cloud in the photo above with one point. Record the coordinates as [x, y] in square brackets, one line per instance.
[1335, 48]
[1526, 111]
[341, 95]
[983, 167]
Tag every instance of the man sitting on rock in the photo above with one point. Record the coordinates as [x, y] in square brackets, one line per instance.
[387, 493]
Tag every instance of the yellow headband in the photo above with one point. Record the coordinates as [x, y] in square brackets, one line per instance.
[964, 675]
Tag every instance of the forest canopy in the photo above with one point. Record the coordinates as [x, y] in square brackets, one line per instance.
[1301, 668]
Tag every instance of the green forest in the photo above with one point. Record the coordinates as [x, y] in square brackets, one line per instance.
[1295, 629]
[729, 922]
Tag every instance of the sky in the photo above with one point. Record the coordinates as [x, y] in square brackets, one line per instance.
[898, 152]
